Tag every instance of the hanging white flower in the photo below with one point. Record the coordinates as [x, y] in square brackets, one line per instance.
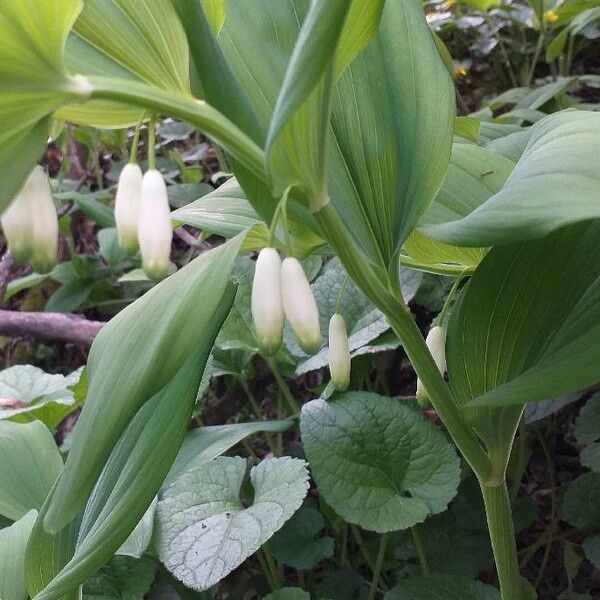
[300, 305]
[44, 252]
[127, 206]
[339, 353]
[17, 225]
[266, 304]
[436, 342]
[154, 229]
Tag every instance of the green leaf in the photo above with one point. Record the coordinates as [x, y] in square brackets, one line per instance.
[136, 467]
[13, 542]
[377, 462]
[215, 13]
[138, 541]
[343, 585]
[29, 465]
[136, 40]
[296, 145]
[579, 504]
[116, 363]
[451, 549]
[204, 531]
[299, 543]
[225, 212]
[544, 192]
[123, 578]
[591, 547]
[506, 347]
[442, 586]
[32, 39]
[467, 128]
[398, 81]
[206, 443]
[573, 27]
[288, 594]
[587, 425]
[29, 393]
[590, 457]
[473, 176]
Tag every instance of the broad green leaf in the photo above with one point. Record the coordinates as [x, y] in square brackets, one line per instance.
[522, 332]
[587, 431]
[137, 466]
[573, 27]
[215, 13]
[393, 114]
[363, 321]
[47, 554]
[360, 27]
[138, 541]
[13, 542]
[144, 37]
[206, 443]
[35, 83]
[299, 544]
[204, 530]
[377, 462]
[29, 465]
[377, 192]
[587, 425]
[473, 176]
[29, 393]
[467, 128]
[579, 504]
[545, 190]
[123, 578]
[288, 594]
[153, 322]
[345, 584]
[447, 587]
[296, 145]
[82, 57]
[590, 457]
[451, 549]
[591, 547]
[226, 212]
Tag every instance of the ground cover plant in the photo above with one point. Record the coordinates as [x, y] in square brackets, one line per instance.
[305, 299]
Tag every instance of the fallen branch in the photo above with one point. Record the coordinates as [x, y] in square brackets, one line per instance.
[49, 326]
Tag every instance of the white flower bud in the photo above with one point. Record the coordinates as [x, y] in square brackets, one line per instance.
[267, 307]
[339, 353]
[436, 342]
[127, 206]
[300, 305]
[17, 225]
[154, 229]
[44, 254]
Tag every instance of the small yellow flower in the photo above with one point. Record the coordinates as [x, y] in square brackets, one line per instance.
[551, 16]
[460, 72]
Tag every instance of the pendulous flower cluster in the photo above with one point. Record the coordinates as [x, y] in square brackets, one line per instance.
[281, 290]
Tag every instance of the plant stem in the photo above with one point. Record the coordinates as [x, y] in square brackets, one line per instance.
[256, 410]
[187, 108]
[535, 58]
[135, 142]
[283, 386]
[152, 144]
[378, 566]
[502, 534]
[405, 327]
[420, 549]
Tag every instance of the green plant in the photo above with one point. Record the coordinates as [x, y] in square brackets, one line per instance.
[337, 119]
